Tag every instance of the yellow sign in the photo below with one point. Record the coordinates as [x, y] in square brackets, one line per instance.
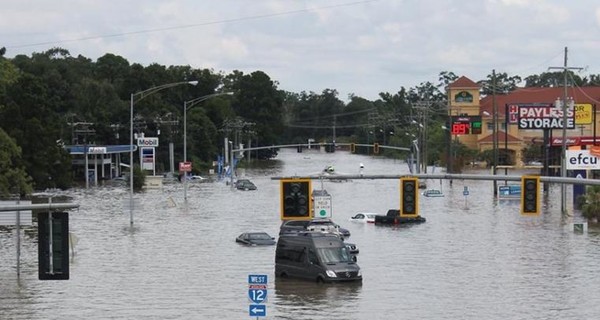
[583, 113]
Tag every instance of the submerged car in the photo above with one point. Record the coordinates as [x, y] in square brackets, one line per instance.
[364, 217]
[255, 239]
[245, 184]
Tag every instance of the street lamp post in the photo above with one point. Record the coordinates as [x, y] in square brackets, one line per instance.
[188, 105]
[141, 95]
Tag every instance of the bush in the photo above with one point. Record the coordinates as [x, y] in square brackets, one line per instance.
[591, 208]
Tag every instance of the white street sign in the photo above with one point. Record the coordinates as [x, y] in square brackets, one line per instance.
[322, 207]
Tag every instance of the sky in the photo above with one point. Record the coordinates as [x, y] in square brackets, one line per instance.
[359, 48]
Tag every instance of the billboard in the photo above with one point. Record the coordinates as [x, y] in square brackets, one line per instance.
[543, 116]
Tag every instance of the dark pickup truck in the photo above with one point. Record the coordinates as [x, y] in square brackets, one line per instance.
[393, 217]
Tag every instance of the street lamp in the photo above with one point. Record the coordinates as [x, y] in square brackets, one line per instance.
[141, 95]
[186, 106]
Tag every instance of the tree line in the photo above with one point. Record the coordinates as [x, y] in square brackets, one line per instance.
[51, 99]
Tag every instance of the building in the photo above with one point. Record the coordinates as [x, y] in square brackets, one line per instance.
[524, 116]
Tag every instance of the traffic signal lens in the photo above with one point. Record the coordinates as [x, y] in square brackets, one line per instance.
[530, 199]
[408, 196]
[295, 199]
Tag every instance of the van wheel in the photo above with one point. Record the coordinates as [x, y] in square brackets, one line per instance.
[320, 280]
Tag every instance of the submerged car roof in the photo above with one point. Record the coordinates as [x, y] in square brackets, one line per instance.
[320, 239]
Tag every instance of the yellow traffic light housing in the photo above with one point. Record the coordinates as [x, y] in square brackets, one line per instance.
[530, 195]
[376, 148]
[295, 199]
[409, 197]
[353, 147]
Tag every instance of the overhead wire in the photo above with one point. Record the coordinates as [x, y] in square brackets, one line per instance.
[187, 26]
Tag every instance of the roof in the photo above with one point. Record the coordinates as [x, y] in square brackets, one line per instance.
[538, 95]
[463, 82]
[503, 137]
[93, 149]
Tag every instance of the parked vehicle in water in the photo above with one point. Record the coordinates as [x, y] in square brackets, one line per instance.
[255, 239]
[364, 217]
[322, 225]
[393, 217]
[317, 256]
[245, 184]
[432, 193]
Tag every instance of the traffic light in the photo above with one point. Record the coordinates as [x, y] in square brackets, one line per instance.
[295, 199]
[376, 148]
[409, 197]
[53, 246]
[353, 147]
[530, 195]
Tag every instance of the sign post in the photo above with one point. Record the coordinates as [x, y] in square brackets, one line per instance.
[185, 167]
[257, 293]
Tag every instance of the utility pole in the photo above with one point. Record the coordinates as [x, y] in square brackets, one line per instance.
[495, 129]
[563, 156]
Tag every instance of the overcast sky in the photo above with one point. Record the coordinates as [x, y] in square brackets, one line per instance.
[355, 47]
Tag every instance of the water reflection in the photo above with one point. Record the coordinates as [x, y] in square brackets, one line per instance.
[298, 299]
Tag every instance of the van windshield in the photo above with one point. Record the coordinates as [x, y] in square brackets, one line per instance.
[334, 255]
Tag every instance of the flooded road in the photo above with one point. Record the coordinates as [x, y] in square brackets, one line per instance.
[472, 259]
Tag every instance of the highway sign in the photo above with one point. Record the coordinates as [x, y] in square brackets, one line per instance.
[511, 191]
[257, 310]
[466, 191]
[257, 295]
[257, 279]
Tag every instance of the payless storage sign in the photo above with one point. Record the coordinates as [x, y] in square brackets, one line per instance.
[544, 116]
[581, 160]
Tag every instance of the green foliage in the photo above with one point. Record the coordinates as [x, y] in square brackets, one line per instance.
[139, 178]
[591, 207]
[44, 95]
[14, 179]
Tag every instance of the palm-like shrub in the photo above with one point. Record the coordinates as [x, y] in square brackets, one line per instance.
[591, 208]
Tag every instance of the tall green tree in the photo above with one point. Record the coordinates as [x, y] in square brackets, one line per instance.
[13, 178]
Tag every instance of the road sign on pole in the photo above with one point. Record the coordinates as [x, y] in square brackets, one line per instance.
[257, 310]
[257, 295]
[322, 206]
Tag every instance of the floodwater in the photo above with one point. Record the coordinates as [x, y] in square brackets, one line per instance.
[472, 259]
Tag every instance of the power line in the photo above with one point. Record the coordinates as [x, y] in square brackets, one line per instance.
[187, 26]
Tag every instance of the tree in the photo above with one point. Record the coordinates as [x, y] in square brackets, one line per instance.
[553, 79]
[504, 83]
[13, 178]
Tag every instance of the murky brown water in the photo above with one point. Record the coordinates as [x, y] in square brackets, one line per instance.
[471, 260]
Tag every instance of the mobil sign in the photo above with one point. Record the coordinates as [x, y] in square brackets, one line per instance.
[147, 142]
[582, 160]
[544, 116]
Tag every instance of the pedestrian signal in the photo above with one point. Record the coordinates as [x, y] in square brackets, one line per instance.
[530, 195]
[295, 199]
[409, 197]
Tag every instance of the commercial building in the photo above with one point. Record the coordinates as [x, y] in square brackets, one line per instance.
[523, 117]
